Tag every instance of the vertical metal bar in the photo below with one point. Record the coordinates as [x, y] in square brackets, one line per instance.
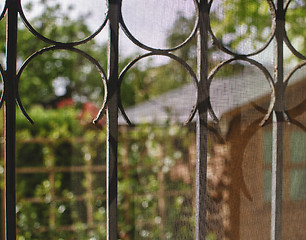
[10, 120]
[112, 120]
[201, 134]
[277, 128]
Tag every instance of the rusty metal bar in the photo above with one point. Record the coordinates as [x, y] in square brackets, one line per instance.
[201, 134]
[10, 120]
[112, 120]
[278, 128]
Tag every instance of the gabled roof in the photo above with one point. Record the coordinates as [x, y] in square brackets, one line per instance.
[226, 94]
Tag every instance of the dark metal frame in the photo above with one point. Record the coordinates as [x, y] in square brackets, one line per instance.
[112, 101]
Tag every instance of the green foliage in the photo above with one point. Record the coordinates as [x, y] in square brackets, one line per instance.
[160, 205]
[61, 69]
[72, 73]
[179, 32]
[241, 25]
[211, 236]
[48, 208]
[295, 24]
[50, 201]
[240, 21]
[63, 73]
[51, 124]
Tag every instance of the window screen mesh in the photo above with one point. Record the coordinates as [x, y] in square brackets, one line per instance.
[61, 164]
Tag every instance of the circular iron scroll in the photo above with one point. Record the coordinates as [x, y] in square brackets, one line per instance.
[290, 74]
[260, 67]
[286, 82]
[218, 43]
[162, 52]
[3, 11]
[2, 72]
[148, 48]
[166, 54]
[286, 39]
[58, 43]
[76, 50]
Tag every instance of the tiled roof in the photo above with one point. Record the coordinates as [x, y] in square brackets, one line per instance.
[226, 94]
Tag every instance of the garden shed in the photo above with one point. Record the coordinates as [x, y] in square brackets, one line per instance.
[239, 166]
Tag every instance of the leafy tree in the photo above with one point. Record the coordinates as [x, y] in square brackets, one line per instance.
[60, 74]
[237, 21]
[63, 74]
[179, 32]
[59, 69]
[295, 22]
[242, 26]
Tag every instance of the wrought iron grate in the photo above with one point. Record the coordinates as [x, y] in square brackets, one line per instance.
[112, 80]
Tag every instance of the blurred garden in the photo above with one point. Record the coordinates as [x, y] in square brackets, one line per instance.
[61, 168]
[61, 176]
[61, 159]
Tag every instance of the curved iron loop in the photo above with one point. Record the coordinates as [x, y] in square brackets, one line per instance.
[287, 5]
[272, 8]
[57, 43]
[289, 115]
[218, 43]
[145, 47]
[3, 74]
[4, 77]
[206, 102]
[191, 115]
[298, 124]
[2, 99]
[210, 4]
[23, 111]
[258, 108]
[299, 66]
[297, 111]
[215, 130]
[286, 39]
[260, 67]
[124, 115]
[73, 49]
[100, 114]
[247, 134]
[211, 111]
[158, 53]
[292, 48]
[286, 114]
[3, 11]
